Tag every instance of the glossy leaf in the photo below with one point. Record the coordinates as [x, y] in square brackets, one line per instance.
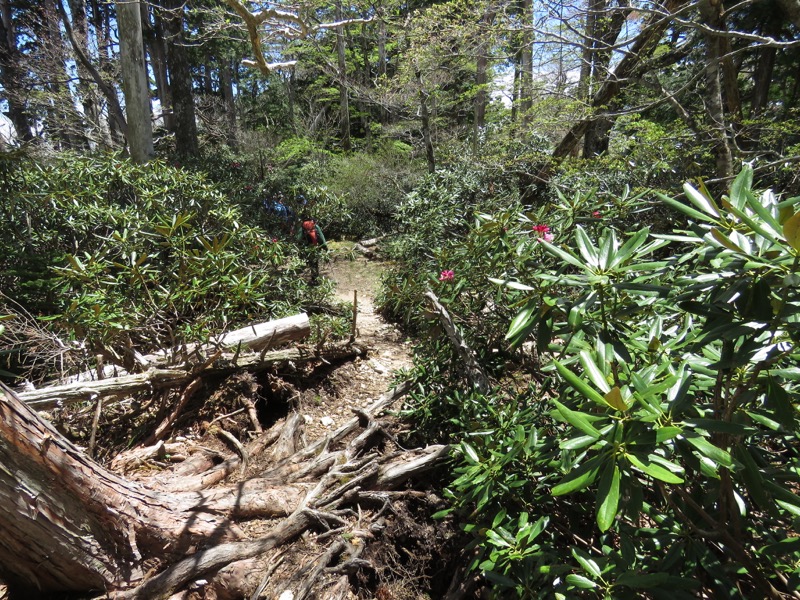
[608, 496]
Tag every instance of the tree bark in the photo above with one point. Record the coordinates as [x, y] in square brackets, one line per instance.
[180, 78]
[344, 107]
[68, 524]
[425, 121]
[626, 71]
[114, 108]
[710, 13]
[526, 62]
[12, 75]
[134, 81]
[226, 83]
[157, 49]
[50, 397]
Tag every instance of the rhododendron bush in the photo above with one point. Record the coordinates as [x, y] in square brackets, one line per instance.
[641, 440]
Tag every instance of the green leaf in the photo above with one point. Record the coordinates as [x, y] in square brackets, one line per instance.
[687, 210]
[630, 246]
[524, 320]
[655, 471]
[725, 241]
[514, 285]
[741, 186]
[580, 581]
[641, 580]
[579, 385]
[565, 256]
[701, 201]
[608, 497]
[579, 478]
[595, 374]
[587, 563]
[586, 247]
[709, 450]
[664, 434]
[469, 451]
[577, 419]
[753, 480]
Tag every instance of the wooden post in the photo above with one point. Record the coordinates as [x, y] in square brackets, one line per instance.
[355, 314]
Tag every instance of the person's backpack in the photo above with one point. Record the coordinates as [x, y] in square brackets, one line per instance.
[310, 231]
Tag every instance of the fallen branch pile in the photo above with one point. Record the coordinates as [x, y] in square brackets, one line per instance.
[273, 517]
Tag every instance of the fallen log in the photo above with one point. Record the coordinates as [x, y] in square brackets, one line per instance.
[257, 337]
[267, 335]
[50, 397]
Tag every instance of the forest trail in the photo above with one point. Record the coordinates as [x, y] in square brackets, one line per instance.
[361, 382]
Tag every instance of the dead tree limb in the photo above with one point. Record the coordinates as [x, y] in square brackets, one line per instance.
[474, 371]
[50, 397]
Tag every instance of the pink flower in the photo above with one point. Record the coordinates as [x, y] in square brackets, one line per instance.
[596, 214]
[274, 240]
[543, 232]
[447, 275]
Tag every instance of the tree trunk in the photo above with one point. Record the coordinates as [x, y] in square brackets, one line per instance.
[157, 49]
[101, 23]
[226, 83]
[12, 75]
[86, 93]
[382, 62]
[68, 524]
[626, 71]
[426, 125]
[526, 63]
[134, 81]
[180, 78]
[723, 157]
[481, 77]
[602, 32]
[114, 108]
[344, 108]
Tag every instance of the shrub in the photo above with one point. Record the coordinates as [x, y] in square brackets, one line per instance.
[648, 447]
[139, 255]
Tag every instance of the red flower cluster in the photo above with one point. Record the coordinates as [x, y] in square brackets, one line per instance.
[596, 214]
[447, 275]
[541, 229]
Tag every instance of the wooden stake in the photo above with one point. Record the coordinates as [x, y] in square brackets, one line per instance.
[355, 314]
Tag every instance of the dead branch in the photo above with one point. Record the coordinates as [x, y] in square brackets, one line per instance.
[473, 369]
[51, 397]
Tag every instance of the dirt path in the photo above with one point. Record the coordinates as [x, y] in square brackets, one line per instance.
[361, 382]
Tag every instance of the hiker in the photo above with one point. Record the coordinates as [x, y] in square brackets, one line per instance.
[312, 241]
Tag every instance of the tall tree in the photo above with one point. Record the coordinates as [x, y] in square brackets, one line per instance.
[134, 80]
[180, 79]
[12, 73]
[344, 106]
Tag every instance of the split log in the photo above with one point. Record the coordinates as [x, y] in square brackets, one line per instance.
[51, 397]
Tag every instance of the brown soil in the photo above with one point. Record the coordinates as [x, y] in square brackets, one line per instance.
[358, 383]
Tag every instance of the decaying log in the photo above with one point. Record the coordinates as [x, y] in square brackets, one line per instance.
[258, 337]
[473, 368]
[50, 397]
[267, 335]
